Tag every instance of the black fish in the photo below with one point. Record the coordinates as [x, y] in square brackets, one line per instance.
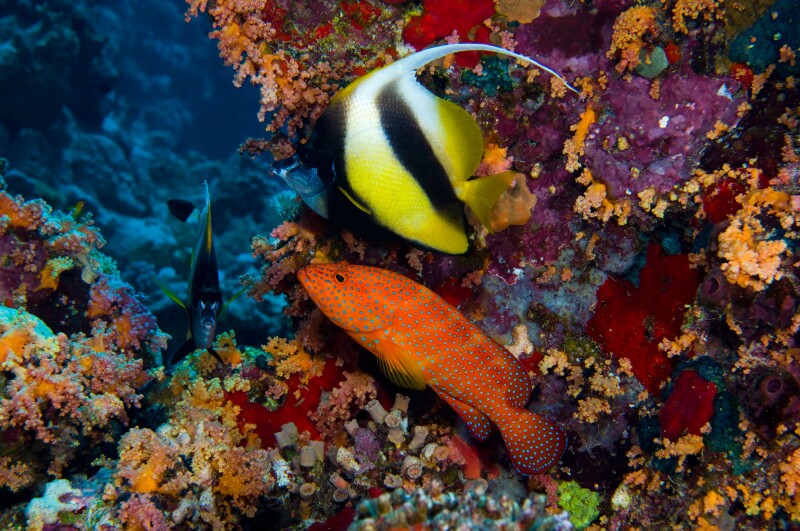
[204, 300]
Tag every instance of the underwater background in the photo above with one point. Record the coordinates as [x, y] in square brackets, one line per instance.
[641, 267]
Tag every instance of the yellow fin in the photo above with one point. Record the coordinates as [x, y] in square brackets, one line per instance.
[394, 361]
[481, 194]
[462, 142]
[353, 200]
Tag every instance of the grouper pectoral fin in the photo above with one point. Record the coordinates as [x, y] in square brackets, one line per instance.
[479, 425]
[394, 361]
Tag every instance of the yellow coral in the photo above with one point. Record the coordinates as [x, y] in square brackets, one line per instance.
[13, 340]
[790, 474]
[290, 357]
[693, 9]
[573, 147]
[52, 270]
[556, 360]
[685, 446]
[594, 203]
[712, 502]
[590, 409]
[752, 260]
[629, 29]
[495, 160]
[15, 475]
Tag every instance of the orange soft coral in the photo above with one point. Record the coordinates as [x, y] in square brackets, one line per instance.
[200, 451]
[752, 259]
[694, 9]
[289, 58]
[629, 30]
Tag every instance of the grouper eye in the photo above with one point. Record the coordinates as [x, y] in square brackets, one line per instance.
[339, 278]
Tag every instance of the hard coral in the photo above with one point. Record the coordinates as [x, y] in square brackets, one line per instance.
[434, 508]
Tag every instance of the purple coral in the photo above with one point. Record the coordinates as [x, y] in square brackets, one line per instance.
[665, 135]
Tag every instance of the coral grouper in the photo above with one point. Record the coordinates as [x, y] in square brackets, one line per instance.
[421, 340]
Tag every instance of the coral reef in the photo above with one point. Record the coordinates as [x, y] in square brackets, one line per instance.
[642, 269]
[434, 508]
[72, 342]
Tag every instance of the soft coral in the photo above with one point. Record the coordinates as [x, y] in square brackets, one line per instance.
[442, 17]
[630, 321]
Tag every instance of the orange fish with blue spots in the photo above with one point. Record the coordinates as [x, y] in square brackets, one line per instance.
[420, 339]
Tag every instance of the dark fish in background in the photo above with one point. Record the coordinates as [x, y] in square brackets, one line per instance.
[204, 300]
[389, 157]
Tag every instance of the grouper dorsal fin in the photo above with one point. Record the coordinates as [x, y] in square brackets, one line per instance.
[415, 61]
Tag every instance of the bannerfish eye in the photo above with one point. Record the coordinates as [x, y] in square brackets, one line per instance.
[305, 157]
[339, 278]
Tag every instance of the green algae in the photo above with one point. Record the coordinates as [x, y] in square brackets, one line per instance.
[652, 64]
[581, 504]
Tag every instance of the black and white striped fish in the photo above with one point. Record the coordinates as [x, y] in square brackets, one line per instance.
[388, 156]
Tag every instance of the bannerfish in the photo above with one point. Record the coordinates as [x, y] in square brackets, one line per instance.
[420, 339]
[389, 157]
[204, 299]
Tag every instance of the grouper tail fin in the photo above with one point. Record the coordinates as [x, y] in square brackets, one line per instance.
[533, 442]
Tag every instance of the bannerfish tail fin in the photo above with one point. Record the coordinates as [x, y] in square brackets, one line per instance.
[534, 443]
[215, 354]
[482, 193]
[181, 208]
[184, 350]
[417, 60]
